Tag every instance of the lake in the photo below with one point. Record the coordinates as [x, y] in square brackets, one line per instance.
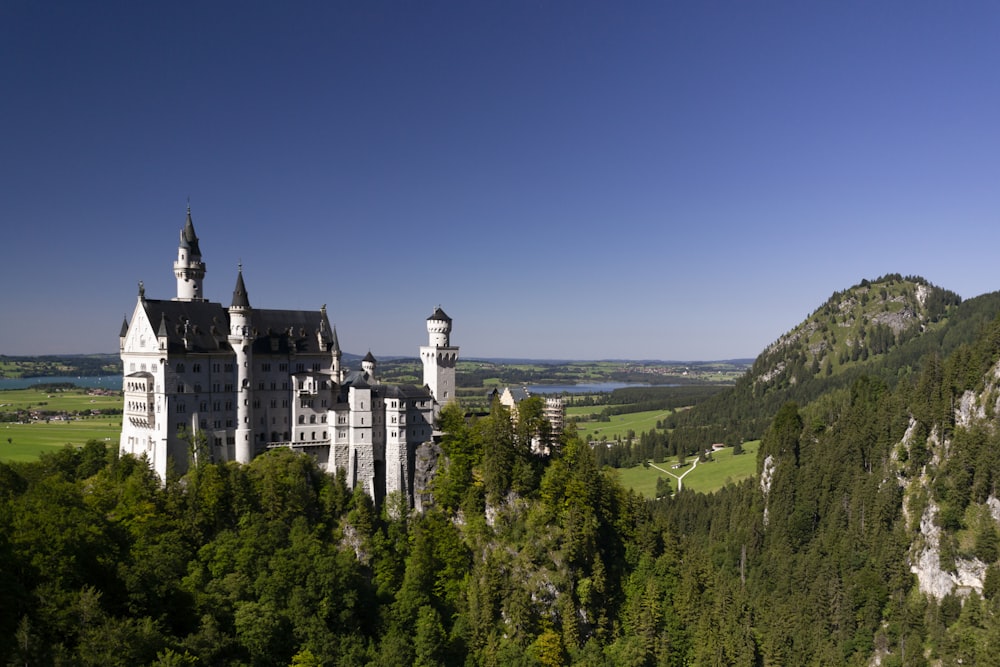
[87, 382]
[593, 388]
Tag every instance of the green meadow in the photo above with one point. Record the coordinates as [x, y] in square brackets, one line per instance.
[619, 426]
[705, 477]
[25, 441]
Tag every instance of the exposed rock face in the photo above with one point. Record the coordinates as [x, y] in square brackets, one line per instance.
[766, 476]
[926, 563]
[968, 575]
[425, 464]
[898, 321]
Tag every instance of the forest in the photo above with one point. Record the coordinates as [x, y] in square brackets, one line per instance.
[530, 560]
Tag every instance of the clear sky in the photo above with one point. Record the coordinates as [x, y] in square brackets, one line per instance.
[586, 180]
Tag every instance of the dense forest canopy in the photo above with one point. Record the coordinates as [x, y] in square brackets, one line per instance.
[870, 492]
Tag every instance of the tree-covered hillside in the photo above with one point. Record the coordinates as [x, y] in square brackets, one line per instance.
[880, 328]
[870, 535]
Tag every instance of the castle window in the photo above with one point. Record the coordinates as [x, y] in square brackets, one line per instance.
[203, 406]
[229, 423]
[260, 386]
[274, 403]
[282, 367]
[197, 389]
[203, 423]
[315, 367]
[215, 368]
[274, 385]
[299, 368]
[266, 368]
[302, 419]
[180, 387]
[312, 419]
[180, 368]
[229, 368]
[196, 368]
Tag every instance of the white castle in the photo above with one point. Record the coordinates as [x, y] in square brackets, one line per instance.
[201, 379]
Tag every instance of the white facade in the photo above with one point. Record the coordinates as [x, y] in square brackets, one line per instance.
[202, 379]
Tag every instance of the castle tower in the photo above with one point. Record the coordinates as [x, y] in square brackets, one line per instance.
[189, 269]
[240, 338]
[368, 365]
[336, 354]
[439, 358]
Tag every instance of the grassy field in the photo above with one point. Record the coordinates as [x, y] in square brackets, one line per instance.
[24, 442]
[705, 478]
[619, 425]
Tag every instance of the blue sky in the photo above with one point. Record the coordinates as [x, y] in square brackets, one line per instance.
[643, 180]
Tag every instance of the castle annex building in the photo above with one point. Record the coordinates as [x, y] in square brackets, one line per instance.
[230, 382]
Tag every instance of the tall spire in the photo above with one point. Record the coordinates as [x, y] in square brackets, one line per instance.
[240, 298]
[189, 239]
[189, 269]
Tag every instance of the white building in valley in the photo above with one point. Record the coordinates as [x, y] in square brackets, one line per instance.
[230, 382]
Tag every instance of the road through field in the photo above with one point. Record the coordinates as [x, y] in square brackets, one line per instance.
[680, 479]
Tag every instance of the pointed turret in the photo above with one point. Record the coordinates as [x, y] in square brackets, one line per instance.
[189, 240]
[240, 298]
[123, 334]
[189, 269]
[239, 309]
[368, 364]
[241, 340]
[336, 354]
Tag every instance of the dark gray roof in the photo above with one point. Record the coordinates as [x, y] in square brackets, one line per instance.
[369, 357]
[124, 327]
[288, 328]
[189, 239]
[206, 325]
[335, 343]
[440, 315]
[240, 298]
[519, 393]
[404, 391]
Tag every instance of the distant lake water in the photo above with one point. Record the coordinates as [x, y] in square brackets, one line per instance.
[87, 382]
[594, 388]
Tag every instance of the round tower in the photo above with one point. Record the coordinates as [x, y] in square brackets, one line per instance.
[439, 358]
[241, 340]
[189, 269]
[438, 328]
